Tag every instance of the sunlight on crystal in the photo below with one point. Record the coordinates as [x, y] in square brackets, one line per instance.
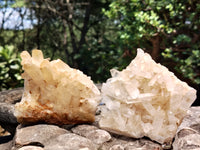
[145, 99]
[55, 93]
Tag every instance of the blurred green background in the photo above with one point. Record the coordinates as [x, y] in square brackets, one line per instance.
[98, 35]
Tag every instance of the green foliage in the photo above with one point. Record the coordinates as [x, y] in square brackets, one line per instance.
[176, 24]
[18, 3]
[10, 68]
[189, 66]
[100, 53]
[182, 39]
[101, 56]
[109, 38]
[136, 20]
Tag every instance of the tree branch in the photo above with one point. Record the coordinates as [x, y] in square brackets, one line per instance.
[85, 24]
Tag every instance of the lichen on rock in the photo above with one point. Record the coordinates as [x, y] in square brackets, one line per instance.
[145, 99]
[55, 93]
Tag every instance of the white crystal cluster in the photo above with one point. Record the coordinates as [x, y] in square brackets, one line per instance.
[55, 93]
[145, 99]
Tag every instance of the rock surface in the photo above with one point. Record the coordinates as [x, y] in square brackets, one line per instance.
[6, 146]
[55, 93]
[7, 100]
[31, 148]
[7, 113]
[145, 100]
[188, 133]
[11, 96]
[37, 134]
[80, 137]
[96, 135]
[70, 141]
[50, 137]
[8, 121]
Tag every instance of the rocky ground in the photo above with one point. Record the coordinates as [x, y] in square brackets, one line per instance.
[14, 136]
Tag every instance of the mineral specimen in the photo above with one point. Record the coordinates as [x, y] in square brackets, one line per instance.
[55, 93]
[145, 99]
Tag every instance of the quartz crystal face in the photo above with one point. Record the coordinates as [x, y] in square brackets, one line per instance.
[145, 99]
[55, 93]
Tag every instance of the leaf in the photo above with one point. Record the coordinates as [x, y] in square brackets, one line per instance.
[18, 4]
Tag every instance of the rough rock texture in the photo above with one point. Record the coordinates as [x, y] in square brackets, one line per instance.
[70, 142]
[8, 121]
[55, 93]
[96, 135]
[39, 134]
[50, 137]
[188, 133]
[7, 100]
[11, 96]
[6, 146]
[31, 148]
[80, 137]
[145, 99]
[125, 143]
[7, 113]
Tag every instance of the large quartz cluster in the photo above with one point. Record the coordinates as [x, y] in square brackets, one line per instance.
[55, 93]
[145, 99]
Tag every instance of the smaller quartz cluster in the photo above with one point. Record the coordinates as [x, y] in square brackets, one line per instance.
[145, 99]
[55, 93]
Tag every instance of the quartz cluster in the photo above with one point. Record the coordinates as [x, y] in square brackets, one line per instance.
[145, 99]
[55, 93]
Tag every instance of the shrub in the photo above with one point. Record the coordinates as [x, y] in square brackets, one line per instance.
[10, 68]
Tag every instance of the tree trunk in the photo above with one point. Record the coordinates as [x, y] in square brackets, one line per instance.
[85, 25]
[155, 54]
[39, 26]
